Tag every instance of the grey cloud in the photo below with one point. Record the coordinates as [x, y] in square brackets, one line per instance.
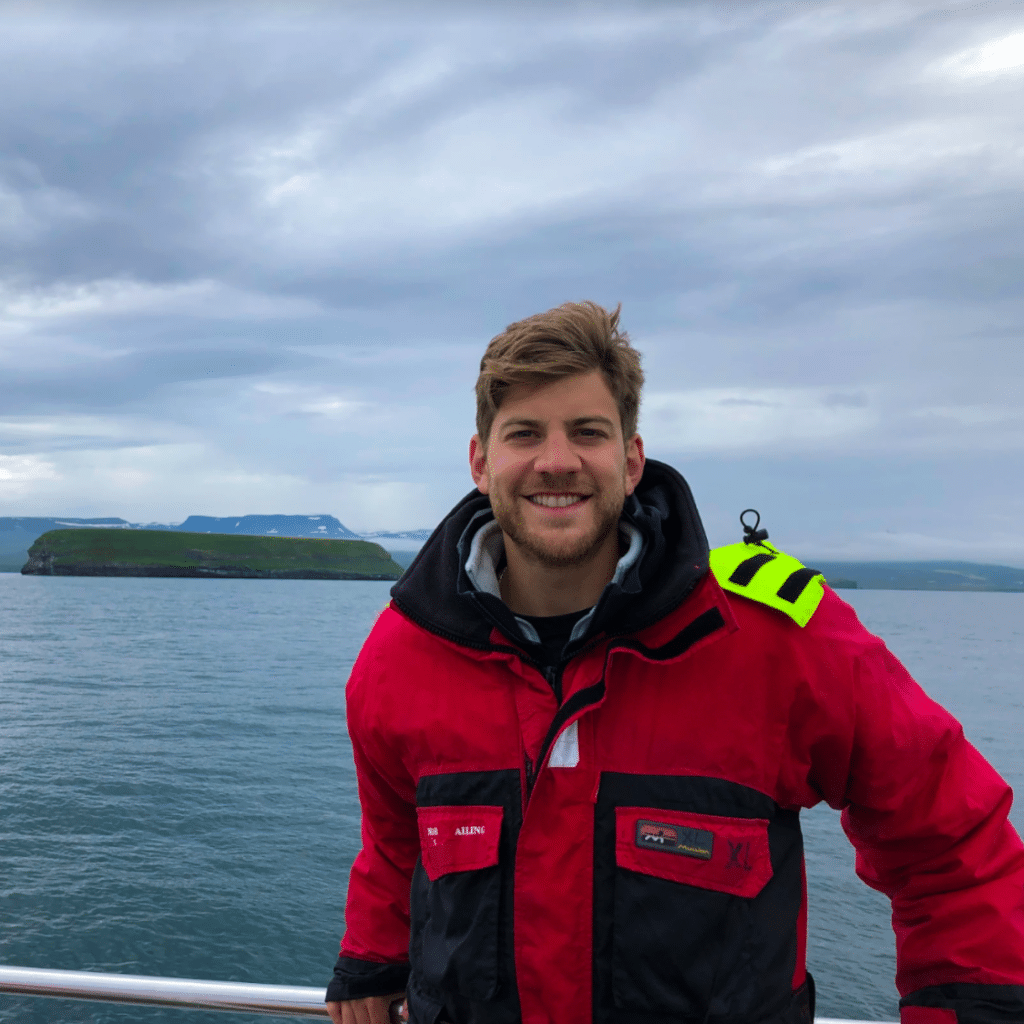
[14, 442]
[780, 195]
[848, 401]
[125, 381]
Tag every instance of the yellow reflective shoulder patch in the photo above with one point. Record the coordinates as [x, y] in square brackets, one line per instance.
[762, 573]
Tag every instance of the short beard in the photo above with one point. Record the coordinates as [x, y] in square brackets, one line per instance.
[582, 551]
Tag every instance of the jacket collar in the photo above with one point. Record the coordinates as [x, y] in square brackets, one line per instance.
[451, 586]
[487, 548]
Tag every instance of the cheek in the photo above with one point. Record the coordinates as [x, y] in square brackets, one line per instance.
[500, 464]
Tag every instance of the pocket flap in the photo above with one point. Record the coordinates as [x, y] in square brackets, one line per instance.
[458, 838]
[727, 855]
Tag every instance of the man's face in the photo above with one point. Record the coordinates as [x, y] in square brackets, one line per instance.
[556, 469]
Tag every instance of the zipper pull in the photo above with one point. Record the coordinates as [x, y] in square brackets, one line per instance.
[528, 764]
[554, 678]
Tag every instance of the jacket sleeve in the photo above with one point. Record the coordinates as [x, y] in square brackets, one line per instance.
[927, 815]
[374, 956]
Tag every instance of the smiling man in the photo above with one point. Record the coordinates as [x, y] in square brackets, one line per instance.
[583, 741]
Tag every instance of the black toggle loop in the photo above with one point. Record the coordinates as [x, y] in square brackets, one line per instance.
[751, 534]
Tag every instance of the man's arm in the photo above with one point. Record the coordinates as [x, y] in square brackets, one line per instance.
[356, 980]
[927, 815]
[374, 960]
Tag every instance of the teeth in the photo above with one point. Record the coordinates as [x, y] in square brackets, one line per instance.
[556, 500]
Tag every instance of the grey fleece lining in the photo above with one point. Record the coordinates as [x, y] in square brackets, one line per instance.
[486, 551]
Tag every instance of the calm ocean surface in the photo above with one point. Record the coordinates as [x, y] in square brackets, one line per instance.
[177, 796]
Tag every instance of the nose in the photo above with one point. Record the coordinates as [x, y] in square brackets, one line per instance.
[556, 456]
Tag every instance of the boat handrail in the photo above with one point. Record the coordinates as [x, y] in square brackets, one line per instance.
[143, 990]
[189, 993]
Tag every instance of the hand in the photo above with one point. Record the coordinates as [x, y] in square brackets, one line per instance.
[372, 1010]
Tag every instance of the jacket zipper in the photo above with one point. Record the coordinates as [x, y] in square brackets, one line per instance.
[553, 674]
[528, 766]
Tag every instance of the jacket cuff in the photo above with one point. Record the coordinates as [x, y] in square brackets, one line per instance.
[357, 979]
[964, 1004]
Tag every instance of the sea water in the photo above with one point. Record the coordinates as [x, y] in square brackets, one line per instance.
[177, 795]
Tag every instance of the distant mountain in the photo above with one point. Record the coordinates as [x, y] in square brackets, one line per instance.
[274, 526]
[419, 535]
[921, 575]
[10, 524]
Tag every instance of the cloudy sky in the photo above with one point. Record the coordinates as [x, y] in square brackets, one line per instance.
[250, 255]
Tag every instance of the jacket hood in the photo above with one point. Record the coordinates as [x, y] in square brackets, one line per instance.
[437, 593]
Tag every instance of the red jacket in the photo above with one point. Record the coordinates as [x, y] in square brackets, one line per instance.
[622, 843]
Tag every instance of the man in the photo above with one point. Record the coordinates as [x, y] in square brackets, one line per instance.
[582, 754]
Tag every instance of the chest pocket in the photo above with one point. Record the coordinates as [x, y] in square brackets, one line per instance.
[684, 883]
[728, 855]
[455, 899]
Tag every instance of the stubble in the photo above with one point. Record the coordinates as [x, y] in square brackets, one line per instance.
[548, 550]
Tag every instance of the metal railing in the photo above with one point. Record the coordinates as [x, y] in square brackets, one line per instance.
[232, 996]
[187, 993]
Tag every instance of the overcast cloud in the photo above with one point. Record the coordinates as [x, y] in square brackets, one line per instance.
[250, 255]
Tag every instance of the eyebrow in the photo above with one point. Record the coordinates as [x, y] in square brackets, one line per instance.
[578, 422]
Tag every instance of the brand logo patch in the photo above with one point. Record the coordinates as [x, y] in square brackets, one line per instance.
[690, 842]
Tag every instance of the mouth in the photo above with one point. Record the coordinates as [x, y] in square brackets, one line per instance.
[557, 500]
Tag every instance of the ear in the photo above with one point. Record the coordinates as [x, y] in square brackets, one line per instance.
[478, 464]
[634, 462]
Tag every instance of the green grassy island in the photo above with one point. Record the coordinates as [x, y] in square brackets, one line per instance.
[112, 552]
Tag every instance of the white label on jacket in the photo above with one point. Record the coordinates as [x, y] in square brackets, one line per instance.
[565, 753]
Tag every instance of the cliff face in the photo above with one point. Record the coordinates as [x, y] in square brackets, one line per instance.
[84, 552]
[40, 563]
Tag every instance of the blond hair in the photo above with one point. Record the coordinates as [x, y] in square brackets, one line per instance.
[574, 338]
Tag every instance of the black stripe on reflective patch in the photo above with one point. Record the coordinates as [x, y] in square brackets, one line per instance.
[745, 571]
[796, 584]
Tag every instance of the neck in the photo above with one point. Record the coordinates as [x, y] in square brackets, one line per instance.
[529, 587]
